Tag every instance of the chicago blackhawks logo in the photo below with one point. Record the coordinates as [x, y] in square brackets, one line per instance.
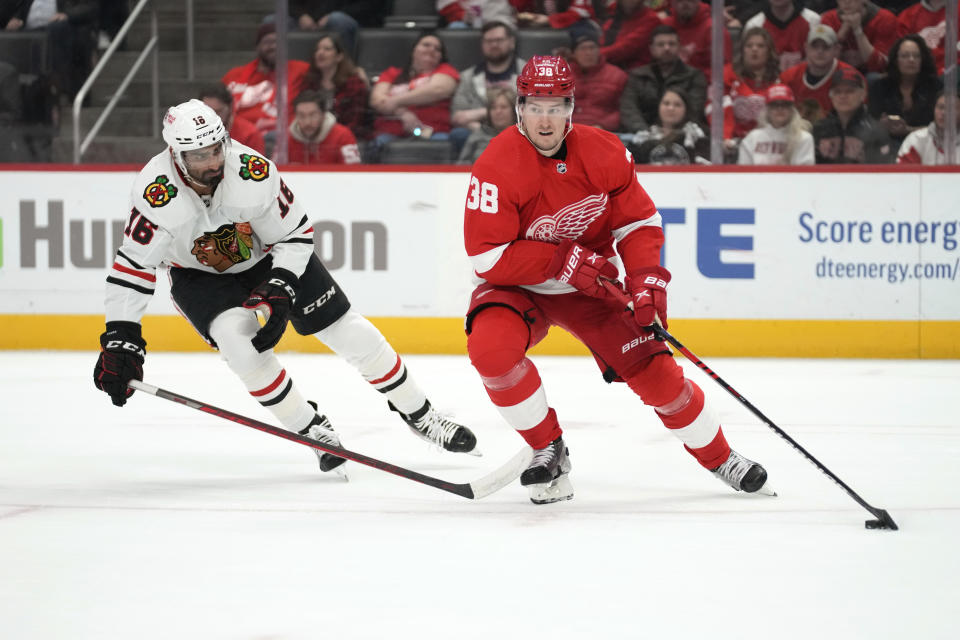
[159, 192]
[225, 247]
[254, 167]
[568, 223]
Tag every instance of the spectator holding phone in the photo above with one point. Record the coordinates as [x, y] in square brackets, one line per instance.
[903, 99]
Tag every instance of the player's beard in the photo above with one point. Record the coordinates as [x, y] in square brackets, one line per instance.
[209, 178]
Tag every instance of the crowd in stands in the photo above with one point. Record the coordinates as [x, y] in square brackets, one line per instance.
[844, 81]
[804, 81]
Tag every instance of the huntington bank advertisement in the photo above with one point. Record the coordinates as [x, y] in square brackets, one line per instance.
[741, 246]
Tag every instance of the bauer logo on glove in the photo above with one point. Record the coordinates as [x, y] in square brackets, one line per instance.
[580, 267]
[648, 290]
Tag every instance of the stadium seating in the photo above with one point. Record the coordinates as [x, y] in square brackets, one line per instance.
[26, 51]
[463, 47]
[532, 42]
[382, 48]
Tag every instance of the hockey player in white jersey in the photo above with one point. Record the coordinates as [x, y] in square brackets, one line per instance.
[236, 239]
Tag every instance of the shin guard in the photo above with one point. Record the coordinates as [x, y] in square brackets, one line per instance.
[260, 373]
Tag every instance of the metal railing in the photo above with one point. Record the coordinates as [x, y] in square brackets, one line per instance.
[152, 47]
[79, 147]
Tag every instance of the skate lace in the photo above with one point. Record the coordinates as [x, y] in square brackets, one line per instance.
[543, 457]
[734, 468]
[437, 428]
[324, 433]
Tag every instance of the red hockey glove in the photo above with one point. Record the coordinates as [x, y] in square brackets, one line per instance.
[580, 267]
[276, 295]
[120, 360]
[648, 290]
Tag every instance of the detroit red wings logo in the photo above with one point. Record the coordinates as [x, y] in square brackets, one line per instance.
[570, 222]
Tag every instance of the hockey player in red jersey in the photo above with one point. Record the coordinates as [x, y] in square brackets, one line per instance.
[237, 240]
[550, 209]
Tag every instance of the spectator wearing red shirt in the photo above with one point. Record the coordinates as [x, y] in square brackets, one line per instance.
[788, 23]
[415, 100]
[334, 72]
[928, 18]
[598, 85]
[754, 69]
[315, 136]
[242, 130]
[558, 14]
[626, 36]
[865, 31]
[810, 80]
[253, 85]
[694, 26]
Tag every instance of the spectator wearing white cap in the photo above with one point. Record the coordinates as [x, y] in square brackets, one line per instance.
[782, 136]
[810, 80]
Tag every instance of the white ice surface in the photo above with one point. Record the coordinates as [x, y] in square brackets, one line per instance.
[159, 521]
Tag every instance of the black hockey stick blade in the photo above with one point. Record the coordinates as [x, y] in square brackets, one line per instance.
[480, 488]
[883, 521]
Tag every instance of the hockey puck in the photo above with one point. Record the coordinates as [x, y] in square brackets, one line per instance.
[873, 524]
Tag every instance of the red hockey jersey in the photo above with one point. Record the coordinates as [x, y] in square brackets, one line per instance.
[520, 205]
[881, 31]
[255, 93]
[696, 38]
[796, 78]
[930, 25]
[789, 38]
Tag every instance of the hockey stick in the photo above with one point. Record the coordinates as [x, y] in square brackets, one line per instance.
[480, 488]
[883, 521]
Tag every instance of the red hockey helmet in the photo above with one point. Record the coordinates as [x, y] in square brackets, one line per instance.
[545, 77]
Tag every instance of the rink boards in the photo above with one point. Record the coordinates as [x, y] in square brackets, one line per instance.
[776, 263]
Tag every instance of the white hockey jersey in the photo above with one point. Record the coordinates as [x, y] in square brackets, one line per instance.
[766, 146]
[925, 146]
[250, 215]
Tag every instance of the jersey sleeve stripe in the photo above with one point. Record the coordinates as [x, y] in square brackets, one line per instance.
[149, 277]
[129, 285]
[127, 258]
[483, 262]
[653, 221]
[297, 241]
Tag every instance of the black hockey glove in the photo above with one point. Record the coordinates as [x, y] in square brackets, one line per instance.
[276, 295]
[120, 361]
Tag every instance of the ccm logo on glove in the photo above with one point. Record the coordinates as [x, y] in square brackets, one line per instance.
[122, 345]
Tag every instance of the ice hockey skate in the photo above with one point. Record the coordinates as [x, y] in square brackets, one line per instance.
[321, 430]
[429, 425]
[547, 477]
[743, 475]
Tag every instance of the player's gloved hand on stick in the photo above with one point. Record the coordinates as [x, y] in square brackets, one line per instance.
[580, 267]
[648, 291]
[121, 360]
[276, 295]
